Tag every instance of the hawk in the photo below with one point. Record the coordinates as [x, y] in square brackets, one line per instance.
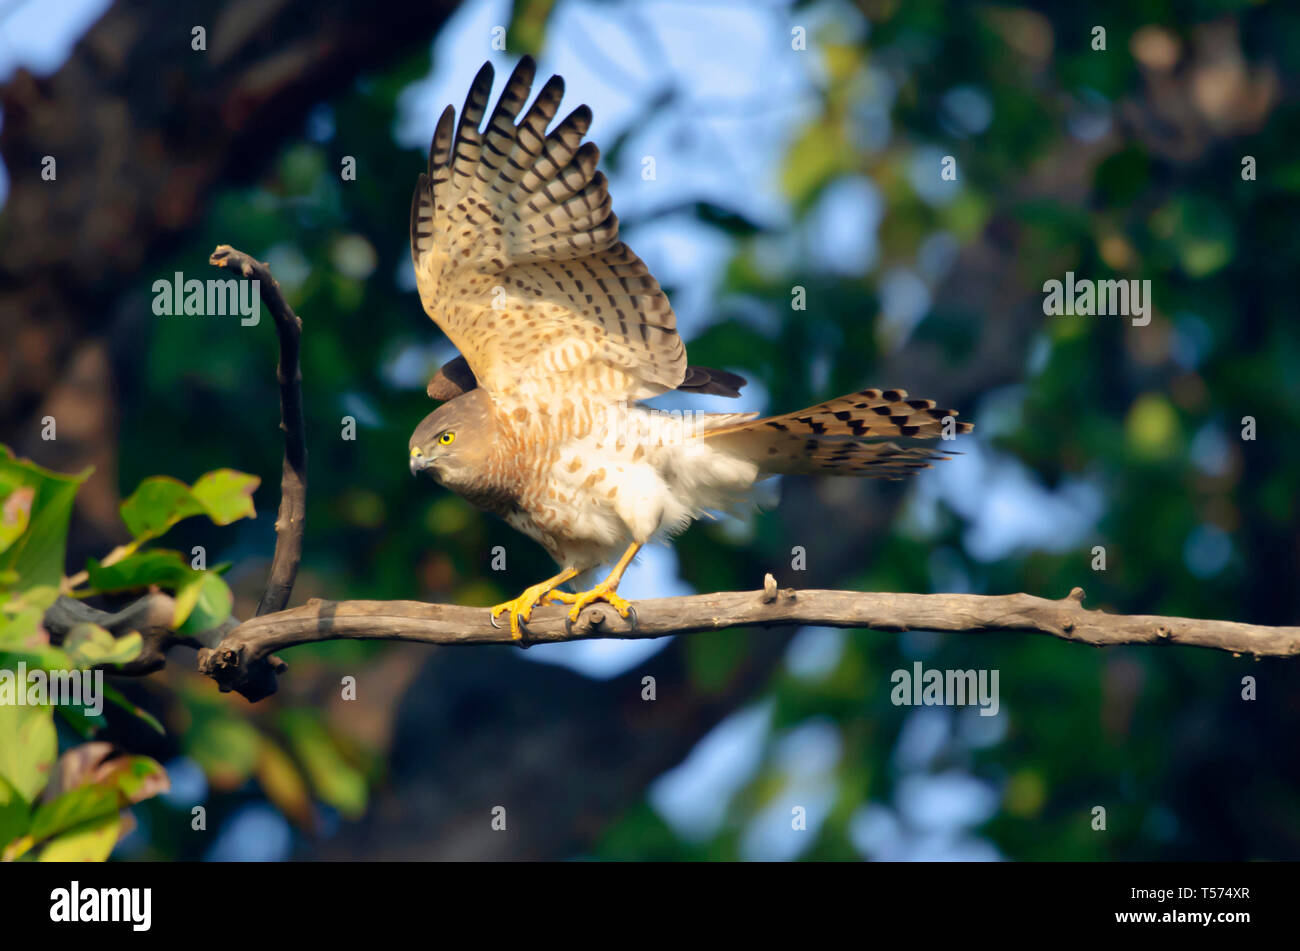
[563, 332]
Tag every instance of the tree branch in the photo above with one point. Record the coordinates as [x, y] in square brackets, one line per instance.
[258, 675]
[449, 624]
[291, 522]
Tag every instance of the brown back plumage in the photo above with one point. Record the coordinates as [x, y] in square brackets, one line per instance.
[875, 433]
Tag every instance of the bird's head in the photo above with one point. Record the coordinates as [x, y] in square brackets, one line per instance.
[452, 443]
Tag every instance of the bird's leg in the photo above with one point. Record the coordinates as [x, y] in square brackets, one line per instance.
[521, 608]
[605, 591]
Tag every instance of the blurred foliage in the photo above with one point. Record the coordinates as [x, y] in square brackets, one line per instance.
[75, 809]
[1195, 520]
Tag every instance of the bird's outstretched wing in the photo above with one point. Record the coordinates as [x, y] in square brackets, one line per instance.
[455, 378]
[517, 256]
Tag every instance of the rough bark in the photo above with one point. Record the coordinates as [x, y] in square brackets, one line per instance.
[142, 128]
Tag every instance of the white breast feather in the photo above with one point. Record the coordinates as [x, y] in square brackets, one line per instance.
[676, 480]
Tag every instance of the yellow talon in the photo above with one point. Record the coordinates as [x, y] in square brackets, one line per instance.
[521, 608]
[605, 591]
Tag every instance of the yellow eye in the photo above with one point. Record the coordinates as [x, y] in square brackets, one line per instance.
[447, 438]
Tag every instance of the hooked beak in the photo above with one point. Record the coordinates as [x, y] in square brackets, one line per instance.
[418, 462]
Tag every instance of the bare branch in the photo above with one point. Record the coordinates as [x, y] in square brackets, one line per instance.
[258, 677]
[291, 522]
[447, 624]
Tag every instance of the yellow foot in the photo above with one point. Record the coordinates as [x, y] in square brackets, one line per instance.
[521, 608]
[602, 592]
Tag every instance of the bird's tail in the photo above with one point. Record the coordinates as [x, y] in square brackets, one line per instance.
[873, 433]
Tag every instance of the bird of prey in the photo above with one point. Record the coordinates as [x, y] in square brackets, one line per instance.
[563, 332]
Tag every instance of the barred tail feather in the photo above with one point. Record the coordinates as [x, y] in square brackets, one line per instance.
[872, 433]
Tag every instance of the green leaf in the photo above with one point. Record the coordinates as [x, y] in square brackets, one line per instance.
[21, 630]
[89, 842]
[203, 599]
[15, 514]
[28, 745]
[39, 597]
[335, 780]
[77, 805]
[159, 502]
[162, 567]
[102, 786]
[138, 778]
[207, 602]
[37, 553]
[14, 814]
[115, 697]
[227, 495]
[90, 645]
[37, 656]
